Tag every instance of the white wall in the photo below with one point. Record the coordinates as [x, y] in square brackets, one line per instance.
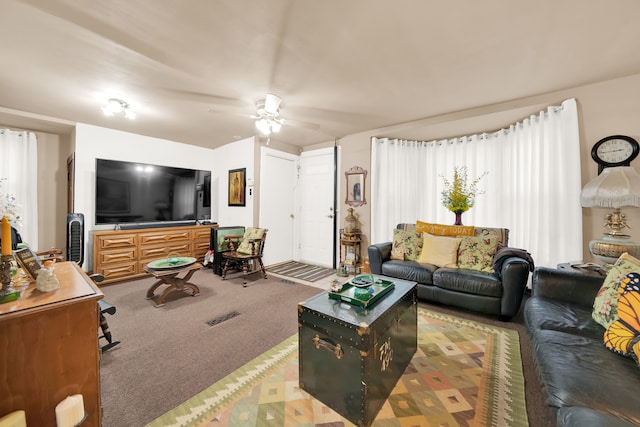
[94, 142]
[235, 155]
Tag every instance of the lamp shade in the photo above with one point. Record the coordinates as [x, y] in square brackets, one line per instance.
[615, 187]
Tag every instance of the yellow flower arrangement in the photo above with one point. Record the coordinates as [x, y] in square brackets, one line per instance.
[458, 195]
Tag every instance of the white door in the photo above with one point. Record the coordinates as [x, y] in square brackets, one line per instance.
[317, 210]
[277, 188]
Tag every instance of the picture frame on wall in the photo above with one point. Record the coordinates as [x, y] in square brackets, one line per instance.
[237, 186]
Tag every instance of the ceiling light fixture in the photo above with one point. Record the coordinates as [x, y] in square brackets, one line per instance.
[268, 115]
[115, 105]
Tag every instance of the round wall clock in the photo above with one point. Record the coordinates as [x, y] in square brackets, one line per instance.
[615, 150]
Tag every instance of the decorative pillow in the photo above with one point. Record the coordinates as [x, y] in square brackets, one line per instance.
[444, 230]
[250, 233]
[476, 253]
[623, 336]
[605, 306]
[407, 245]
[439, 251]
[502, 234]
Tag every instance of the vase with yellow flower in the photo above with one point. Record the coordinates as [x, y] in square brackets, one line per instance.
[8, 215]
[459, 194]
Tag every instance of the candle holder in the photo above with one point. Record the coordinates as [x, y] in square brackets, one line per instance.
[7, 293]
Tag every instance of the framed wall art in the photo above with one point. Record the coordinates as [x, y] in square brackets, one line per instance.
[237, 185]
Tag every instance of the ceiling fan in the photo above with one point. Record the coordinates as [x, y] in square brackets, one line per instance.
[267, 116]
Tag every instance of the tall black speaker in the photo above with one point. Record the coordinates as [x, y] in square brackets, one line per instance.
[75, 237]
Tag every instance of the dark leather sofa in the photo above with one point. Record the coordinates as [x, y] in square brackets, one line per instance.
[497, 294]
[584, 383]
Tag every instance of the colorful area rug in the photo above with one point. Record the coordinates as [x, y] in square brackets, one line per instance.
[301, 271]
[464, 374]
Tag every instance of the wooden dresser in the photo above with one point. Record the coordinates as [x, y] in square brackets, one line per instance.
[122, 254]
[49, 349]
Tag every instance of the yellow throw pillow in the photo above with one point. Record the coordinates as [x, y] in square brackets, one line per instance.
[444, 230]
[439, 251]
[605, 305]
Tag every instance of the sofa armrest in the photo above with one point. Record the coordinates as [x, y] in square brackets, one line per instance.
[515, 275]
[566, 286]
[378, 253]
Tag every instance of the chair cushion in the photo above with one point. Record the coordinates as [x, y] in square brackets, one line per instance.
[249, 234]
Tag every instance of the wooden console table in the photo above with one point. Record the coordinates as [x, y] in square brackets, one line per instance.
[50, 348]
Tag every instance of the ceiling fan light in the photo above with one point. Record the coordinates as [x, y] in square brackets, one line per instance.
[129, 113]
[115, 105]
[263, 126]
[272, 103]
[275, 126]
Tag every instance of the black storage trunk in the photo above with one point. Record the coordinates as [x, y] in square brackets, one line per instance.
[350, 357]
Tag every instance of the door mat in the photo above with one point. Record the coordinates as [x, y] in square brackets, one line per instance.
[301, 271]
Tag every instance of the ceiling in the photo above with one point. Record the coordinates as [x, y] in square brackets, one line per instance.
[193, 70]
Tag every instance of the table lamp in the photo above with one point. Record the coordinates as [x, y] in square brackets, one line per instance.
[616, 187]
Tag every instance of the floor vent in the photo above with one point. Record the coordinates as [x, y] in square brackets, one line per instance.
[223, 318]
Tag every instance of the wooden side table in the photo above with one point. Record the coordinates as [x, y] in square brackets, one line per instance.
[170, 278]
[350, 242]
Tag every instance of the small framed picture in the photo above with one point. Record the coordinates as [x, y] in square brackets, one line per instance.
[237, 184]
[28, 261]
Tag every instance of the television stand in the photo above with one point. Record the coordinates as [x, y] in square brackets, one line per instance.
[121, 255]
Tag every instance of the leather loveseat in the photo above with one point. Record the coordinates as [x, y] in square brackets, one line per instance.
[498, 293]
[585, 384]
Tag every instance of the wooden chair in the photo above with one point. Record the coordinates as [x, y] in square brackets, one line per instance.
[250, 248]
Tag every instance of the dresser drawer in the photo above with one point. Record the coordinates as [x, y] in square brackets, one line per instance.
[156, 252]
[203, 233]
[118, 271]
[112, 241]
[117, 257]
[166, 237]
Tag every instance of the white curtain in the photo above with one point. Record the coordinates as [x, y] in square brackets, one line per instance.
[19, 165]
[532, 186]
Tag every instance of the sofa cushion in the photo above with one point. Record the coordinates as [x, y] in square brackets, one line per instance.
[605, 306]
[439, 250]
[553, 315]
[623, 335]
[579, 371]
[406, 245]
[409, 270]
[476, 253]
[468, 281]
[502, 234]
[444, 230]
[578, 416]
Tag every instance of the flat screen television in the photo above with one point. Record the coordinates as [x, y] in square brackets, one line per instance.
[141, 193]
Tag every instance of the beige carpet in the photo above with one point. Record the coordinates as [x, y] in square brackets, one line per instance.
[464, 373]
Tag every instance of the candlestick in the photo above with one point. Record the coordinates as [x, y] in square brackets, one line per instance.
[7, 293]
[6, 236]
[70, 412]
